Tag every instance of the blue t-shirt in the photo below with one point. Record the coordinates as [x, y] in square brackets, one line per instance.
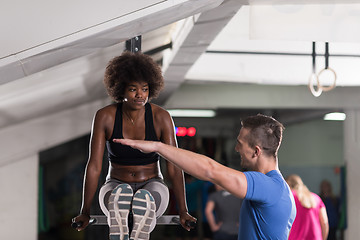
[268, 210]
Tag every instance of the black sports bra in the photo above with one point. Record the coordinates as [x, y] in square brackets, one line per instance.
[125, 155]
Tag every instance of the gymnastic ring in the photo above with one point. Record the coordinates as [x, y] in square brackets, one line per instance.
[319, 90]
[331, 87]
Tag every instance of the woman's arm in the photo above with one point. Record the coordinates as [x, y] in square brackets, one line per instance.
[324, 223]
[93, 168]
[175, 174]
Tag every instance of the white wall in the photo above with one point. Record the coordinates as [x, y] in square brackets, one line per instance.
[19, 174]
[316, 142]
[313, 150]
[18, 201]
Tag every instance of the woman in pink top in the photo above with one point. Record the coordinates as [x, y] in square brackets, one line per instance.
[311, 222]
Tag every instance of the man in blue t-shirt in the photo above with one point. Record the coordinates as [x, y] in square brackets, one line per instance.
[268, 210]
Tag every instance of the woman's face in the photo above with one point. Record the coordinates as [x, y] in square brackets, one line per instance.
[136, 94]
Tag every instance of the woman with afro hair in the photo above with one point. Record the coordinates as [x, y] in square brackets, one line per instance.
[134, 194]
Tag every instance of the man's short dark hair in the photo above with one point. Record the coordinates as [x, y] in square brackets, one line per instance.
[265, 131]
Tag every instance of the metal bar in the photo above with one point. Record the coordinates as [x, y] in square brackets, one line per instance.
[163, 220]
[279, 53]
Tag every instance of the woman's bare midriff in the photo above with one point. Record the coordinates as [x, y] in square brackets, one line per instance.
[140, 173]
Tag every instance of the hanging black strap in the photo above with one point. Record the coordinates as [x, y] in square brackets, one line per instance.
[314, 57]
[326, 55]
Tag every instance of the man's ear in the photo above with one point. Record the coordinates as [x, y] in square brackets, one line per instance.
[257, 151]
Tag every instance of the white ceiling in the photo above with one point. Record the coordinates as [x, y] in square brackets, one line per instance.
[275, 62]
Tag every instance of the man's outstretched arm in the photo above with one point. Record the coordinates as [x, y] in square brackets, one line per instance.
[197, 165]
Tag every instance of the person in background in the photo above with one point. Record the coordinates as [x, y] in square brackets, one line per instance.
[134, 178]
[222, 211]
[332, 205]
[311, 220]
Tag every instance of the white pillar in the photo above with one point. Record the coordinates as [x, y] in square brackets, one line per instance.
[352, 160]
[19, 199]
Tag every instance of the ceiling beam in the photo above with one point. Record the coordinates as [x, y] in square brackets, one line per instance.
[199, 32]
[89, 40]
[45, 132]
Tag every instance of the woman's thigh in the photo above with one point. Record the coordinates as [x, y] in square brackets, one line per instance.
[160, 193]
[157, 188]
